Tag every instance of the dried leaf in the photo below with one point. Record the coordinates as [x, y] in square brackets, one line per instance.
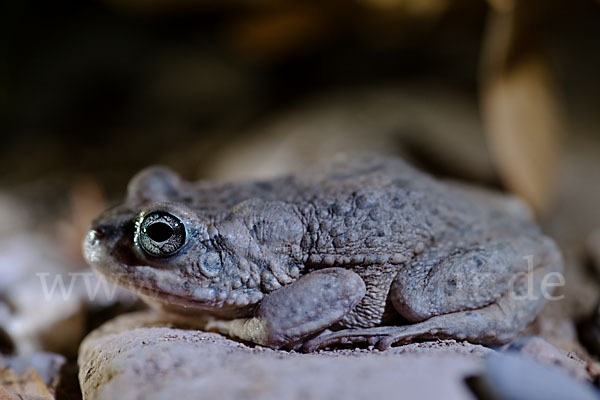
[416, 8]
[520, 112]
[87, 201]
[502, 5]
[29, 385]
[280, 32]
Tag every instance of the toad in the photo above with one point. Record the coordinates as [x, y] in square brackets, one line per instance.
[360, 249]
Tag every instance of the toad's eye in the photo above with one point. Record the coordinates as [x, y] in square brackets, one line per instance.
[160, 233]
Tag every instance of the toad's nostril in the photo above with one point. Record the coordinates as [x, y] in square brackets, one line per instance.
[100, 232]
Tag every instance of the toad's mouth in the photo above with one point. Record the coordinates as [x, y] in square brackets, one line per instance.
[180, 304]
[151, 292]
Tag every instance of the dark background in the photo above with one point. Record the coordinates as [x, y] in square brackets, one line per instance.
[105, 88]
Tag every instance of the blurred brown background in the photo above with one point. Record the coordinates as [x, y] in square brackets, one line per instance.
[502, 93]
[498, 92]
[103, 88]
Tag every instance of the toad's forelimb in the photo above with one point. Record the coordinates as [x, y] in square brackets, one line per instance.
[299, 310]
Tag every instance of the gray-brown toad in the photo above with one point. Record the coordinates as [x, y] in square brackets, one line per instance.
[363, 248]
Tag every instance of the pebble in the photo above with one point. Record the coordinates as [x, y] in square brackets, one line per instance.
[38, 375]
[540, 350]
[514, 376]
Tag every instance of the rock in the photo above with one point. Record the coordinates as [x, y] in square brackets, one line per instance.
[146, 355]
[515, 376]
[46, 365]
[555, 325]
[48, 296]
[22, 255]
[38, 375]
[43, 321]
[51, 311]
[33, 318]
[544, 352]
[24, 386]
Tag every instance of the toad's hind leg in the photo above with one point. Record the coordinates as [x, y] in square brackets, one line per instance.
[494, 323]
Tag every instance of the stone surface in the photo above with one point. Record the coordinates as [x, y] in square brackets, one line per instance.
[50, 311]
[38, 376]
[43, 321]
[145, 355]
[540, 350]
[519, 377]
[47, 294]
[46, 365]
[22, 386]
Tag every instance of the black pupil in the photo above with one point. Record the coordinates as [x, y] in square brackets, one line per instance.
[159, 231]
